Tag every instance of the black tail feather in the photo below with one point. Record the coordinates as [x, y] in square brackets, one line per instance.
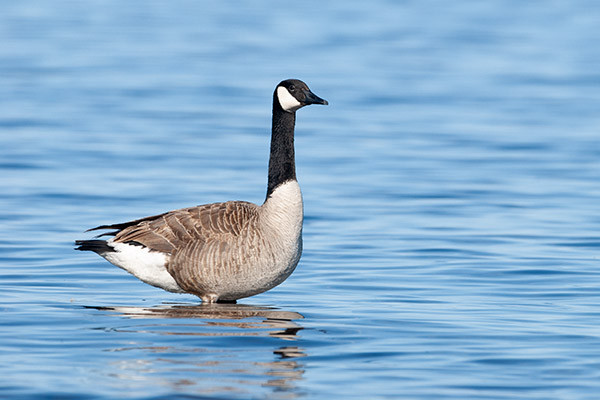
[120, 227]
[97, 246]
[111, 233]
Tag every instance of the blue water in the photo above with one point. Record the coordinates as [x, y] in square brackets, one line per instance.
[451, 189]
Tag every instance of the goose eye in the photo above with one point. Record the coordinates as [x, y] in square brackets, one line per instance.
[292, 88]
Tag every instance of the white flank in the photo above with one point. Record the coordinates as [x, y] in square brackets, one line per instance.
[146, 265]
[286, 100]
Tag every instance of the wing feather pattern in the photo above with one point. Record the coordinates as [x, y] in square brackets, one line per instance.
[205, 243]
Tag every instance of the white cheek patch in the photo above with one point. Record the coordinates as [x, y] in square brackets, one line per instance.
[286, 100]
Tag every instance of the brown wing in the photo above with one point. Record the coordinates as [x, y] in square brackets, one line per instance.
[176, 229]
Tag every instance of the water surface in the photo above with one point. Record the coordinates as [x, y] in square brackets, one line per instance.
[451, 197]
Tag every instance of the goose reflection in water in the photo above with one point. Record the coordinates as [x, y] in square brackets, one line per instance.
[222, 366]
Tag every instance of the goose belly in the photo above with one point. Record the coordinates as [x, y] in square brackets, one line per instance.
[236, 269]
[264, 270]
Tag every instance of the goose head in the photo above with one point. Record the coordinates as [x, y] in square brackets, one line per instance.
[293, 94]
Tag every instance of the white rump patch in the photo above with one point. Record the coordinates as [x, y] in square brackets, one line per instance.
[286, 100]
[148, 266]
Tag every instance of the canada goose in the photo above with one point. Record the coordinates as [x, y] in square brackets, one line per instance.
[223, 251]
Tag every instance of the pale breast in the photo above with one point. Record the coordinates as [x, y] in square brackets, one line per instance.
[281, 218]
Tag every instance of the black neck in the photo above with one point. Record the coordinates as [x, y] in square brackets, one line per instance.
[282, 165]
